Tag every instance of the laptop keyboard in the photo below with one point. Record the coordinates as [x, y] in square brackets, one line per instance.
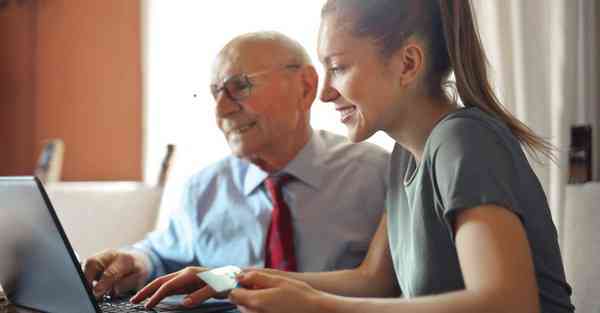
[122, 306]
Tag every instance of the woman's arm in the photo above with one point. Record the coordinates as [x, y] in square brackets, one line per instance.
[375, 277]
[495, 260]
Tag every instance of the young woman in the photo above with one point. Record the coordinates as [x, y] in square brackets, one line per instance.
[467, 227]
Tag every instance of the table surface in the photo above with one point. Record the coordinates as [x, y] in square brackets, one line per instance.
[13, 309]
[5, 307]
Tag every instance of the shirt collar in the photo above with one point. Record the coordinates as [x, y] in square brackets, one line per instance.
[303, 167]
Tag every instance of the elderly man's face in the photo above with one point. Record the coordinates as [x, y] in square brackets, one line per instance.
[270, 114]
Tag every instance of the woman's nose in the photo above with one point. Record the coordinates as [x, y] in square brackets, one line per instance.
[329, 93]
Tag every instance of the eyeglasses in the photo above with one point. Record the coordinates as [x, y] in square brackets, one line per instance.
[239, 87]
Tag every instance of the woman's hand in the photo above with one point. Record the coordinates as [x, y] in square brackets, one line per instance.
[266, 293]
[181, 282]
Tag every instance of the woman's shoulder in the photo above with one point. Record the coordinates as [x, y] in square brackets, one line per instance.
[470, 126]
[472, 134]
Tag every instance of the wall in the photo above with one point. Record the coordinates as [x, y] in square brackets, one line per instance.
[84, 86]
[16, 90]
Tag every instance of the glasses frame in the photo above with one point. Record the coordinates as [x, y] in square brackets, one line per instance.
[244, 79]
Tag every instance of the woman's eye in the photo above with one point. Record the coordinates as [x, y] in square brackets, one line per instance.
[336, 70]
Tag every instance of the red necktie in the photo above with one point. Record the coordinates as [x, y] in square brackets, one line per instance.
[280, 238]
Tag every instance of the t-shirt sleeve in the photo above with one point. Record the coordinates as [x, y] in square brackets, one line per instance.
[472, 165]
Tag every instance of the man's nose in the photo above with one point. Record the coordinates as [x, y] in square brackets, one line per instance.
[225, 105]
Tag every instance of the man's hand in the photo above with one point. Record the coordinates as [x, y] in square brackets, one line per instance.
[116, 272]
[266, 293]
[185, 281]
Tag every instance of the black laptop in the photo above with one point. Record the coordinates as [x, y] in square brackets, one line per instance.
[38, 267]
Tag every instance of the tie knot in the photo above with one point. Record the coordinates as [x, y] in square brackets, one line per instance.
[275, 183]
[278, 181]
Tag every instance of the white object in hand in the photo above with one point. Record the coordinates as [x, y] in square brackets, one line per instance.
[222, 278]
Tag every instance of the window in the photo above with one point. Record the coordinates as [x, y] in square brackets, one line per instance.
[181, 39]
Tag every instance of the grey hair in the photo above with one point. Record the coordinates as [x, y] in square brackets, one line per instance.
[297, 51]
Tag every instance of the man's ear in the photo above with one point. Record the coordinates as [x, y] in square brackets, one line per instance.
[408, 63]
[310, 82]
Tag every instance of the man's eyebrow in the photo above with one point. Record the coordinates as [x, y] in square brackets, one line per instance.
[225, 78]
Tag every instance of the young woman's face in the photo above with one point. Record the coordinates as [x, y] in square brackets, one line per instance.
[358, 80]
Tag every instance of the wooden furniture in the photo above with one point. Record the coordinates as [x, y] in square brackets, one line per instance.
[49, 165]
[166, 166]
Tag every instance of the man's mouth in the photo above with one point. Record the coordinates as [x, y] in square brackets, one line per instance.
[242, 129]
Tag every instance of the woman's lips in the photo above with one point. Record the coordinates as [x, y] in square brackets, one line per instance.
[346, 113]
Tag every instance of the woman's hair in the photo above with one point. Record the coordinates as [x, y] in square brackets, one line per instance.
[449, 31]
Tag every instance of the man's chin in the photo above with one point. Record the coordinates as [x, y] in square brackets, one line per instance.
[250, 157]
[243, 152]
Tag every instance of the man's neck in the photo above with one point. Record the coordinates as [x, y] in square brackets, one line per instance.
[279, 158]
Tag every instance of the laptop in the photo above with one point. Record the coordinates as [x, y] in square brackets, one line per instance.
[39, 269]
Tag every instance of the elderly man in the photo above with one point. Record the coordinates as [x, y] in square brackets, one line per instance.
[289, 197]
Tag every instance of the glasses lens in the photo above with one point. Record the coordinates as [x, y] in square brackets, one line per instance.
[214, 90]
[238, 87]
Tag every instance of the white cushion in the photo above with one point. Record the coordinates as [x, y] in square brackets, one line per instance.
[101, 215]
[581, 248]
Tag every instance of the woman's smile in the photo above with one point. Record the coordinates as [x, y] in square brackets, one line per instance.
[347, 112]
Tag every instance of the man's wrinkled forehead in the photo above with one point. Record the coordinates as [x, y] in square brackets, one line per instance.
[239, 58]
[225, 65]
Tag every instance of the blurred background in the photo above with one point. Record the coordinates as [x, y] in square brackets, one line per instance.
[114, 82]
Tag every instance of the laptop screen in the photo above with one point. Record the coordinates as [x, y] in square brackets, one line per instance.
[38, 269]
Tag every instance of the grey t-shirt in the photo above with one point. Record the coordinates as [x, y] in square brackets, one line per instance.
[470, 159]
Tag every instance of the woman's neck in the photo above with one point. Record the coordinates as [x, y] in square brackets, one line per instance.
[412, 129]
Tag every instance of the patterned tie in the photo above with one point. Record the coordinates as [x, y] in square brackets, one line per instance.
[280, 238]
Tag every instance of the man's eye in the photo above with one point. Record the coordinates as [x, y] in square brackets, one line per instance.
[239, 85]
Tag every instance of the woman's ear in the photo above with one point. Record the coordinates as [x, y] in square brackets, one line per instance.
[408, 62]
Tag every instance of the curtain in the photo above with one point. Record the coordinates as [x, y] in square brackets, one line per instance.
[544, 67]
[544, 63]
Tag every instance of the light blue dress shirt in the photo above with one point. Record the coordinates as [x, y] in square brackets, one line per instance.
[336, 201]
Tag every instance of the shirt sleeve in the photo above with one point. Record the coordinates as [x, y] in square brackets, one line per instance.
[472, 165]
[170, 249]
